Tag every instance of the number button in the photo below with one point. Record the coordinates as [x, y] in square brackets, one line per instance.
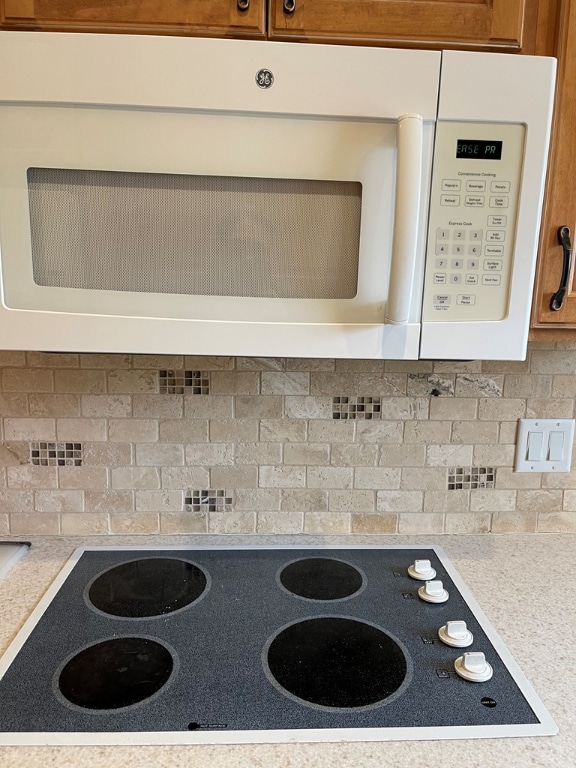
[455, 279]
[475, 234]
[457, 250]
[459, 234]
[441, 249]
[474, 250]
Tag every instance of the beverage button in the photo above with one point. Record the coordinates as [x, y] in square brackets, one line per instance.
[475, 186]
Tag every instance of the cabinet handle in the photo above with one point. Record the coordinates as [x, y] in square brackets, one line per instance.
[243, 5]
[557, 300]
[289, 6]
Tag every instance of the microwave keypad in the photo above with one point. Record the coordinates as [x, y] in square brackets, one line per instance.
[472, 225]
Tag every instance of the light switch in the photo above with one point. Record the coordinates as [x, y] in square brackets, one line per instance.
[535, 442]
[544, 445]
[556, 446]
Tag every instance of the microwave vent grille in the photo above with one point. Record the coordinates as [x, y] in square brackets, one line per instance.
[194, 235]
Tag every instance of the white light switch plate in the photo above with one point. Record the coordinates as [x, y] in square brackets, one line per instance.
[544, 445]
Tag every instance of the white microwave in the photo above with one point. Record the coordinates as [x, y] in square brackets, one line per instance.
[221, 197]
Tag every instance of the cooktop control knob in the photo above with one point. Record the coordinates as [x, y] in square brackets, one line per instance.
[422, 570]
[456, 634]
[433, 592]
[474, 667]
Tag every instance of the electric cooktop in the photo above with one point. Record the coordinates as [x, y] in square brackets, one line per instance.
[180, 645]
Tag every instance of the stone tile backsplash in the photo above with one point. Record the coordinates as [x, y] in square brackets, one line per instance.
[97, 443]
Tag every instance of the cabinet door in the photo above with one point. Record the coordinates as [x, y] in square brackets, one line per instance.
[560, 209]
[222, 18]
[481, 23]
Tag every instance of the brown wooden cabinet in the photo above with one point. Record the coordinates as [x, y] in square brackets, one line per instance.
[560, 206]
[502, 24]
[491, 24]
[216, 18]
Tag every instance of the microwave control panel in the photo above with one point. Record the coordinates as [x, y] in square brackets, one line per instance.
[473, 209]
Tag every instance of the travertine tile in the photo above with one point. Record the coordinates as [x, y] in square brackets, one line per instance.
[181, 478]
[285, 383]
[10, 358]
[423, 522]
[258, 453]
[159, 454]
[184, 431]
[403, 455]
[39, 523]
[52, 359]
[488, 500]
[331, 384]
[533, 386]
[233, 431]
[155, 406]
[170, 362]
[508, 432]
[284, 430]
[351, 501]
[283, 523]
[376, 477]
[13, 454]
[453, 408]
[135, 478]
[330, 477]
[132, 430]
[359, 366]
[26, 380]
[128, 382]
[507, 478]
[135, 522]
[42, 405]
[449, 455]
[474, 432]
[84, 523]
[457, 366]
[327, 523]
[408, 366]
[309, 364]
[105, 361]
[28, 477]
[355, 454]
[234, 477]
[159, 501]
[302, 407]
[106, 454]
[425, 384]
[423, 478]
[83, 382]
[182, 522]
[427, 432]
[208, 363]
[367, 523]
[16, 502]
[108, 500]
[556, 522]
[59, 501]
[208, 406]
[105, 405]
[15, 404]
[550, 409]
[304, 500]
[281, 477]
[563, 387]
[539, 500]
[234, 383]
[399, 501]
[378, 431]
[208, 454]
[81, 429]
[4, 523]
[232, 522]
[255, 499]
[29, 429]
[320, 431]
[82, 478]
[447, 501]
[473, 385]
[514, 522]
[494, 455]
[260, 363]
[314, 454]
[384, 385]
[468, 522]
[501, 409]
[258, 406]
[405, 408]
[553, 361]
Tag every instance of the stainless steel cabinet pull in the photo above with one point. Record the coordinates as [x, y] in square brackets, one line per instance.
[289, 6]
[557, 300]
[243, 5]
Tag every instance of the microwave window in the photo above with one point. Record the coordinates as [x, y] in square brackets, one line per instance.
[196, 235]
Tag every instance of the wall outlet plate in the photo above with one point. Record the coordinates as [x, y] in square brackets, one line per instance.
[544, 445]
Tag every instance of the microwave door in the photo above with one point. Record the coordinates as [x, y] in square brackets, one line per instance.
[214, 231]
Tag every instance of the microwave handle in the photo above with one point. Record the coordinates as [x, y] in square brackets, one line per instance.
[406, 215]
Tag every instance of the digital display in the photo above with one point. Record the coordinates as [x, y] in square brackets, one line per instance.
[478, 149]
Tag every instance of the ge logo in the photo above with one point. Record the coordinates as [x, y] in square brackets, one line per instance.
[264, 78]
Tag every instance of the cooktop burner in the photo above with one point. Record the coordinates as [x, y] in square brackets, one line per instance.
[227, 644]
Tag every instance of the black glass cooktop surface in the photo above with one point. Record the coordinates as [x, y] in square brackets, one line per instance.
[232, 644]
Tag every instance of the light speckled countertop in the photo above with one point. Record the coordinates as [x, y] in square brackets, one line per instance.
[522, 582]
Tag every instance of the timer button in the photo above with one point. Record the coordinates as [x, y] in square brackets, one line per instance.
[433, 592]
[456, 634]
[474, 667]
[422, 570]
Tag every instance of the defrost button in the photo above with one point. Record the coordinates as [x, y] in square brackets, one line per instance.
[473, 666]
[422, 570]
[456, 634]
[433, 592]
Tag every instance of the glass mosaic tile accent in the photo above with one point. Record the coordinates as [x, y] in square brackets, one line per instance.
[470, 478]
[56, 454]
[356, 407]
[184, 382]
[209, 500]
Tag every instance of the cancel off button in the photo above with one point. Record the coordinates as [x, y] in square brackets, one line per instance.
[466, 299]
[442, 299]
